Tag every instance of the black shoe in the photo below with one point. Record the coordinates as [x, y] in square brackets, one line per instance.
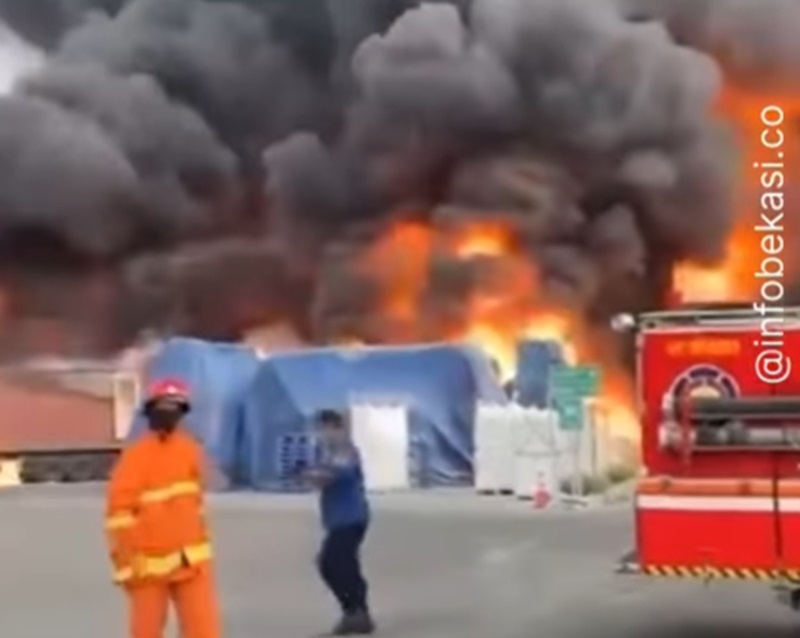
[342, 628]
[360, 623]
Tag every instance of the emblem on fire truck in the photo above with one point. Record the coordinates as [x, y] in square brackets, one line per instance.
[704, 382]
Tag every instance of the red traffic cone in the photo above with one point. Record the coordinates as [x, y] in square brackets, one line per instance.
[541, 495]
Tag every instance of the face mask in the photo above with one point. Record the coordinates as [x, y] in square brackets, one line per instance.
[163, 421]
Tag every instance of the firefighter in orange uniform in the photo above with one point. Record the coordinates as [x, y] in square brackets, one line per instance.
[155, 524]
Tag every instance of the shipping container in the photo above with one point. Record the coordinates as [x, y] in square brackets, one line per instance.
[64, 423]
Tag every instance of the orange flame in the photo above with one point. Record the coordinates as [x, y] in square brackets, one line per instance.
[733, 277]
[502, 345]
[398, 264]
[730, 280]
[483, 240]
[401, 257]
[504, 309]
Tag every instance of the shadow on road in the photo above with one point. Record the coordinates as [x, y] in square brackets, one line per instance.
[780, 628]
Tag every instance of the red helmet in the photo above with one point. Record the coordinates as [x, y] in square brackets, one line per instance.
[171, 389]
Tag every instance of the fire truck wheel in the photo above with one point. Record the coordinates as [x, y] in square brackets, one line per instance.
[794, 599]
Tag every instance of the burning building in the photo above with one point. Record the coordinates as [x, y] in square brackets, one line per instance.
[378, 171]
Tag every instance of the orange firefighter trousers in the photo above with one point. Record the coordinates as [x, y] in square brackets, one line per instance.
[195, 604]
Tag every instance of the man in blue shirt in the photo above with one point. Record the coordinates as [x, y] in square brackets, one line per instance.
[345, 517]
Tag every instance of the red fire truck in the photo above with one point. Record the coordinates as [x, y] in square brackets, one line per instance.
[720, 495]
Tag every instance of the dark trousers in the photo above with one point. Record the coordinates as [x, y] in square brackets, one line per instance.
[340, 566]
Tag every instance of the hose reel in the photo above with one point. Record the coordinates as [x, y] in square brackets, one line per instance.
[724, 422]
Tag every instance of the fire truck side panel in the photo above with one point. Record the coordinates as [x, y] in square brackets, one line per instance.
[790, 535]
[669, 357]
[732, 524]
[676, 538]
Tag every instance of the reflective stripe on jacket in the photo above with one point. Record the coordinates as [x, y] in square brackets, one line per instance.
[155, 522]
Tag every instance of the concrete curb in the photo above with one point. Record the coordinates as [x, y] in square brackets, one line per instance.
[620, 493]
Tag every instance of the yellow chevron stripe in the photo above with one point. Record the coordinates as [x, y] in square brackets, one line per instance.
[727, 573]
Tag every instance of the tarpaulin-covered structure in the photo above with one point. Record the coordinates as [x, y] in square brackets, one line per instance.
[218, 376]
[536, 360]
[438, 384]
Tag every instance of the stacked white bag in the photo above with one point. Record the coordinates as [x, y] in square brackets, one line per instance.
[494, 446]
[537, 457]
[519, 450]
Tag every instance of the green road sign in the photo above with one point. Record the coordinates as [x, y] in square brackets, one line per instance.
[569, 386]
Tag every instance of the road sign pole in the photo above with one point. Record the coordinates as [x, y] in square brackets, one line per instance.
[584, 437]
[569, 389]
[577, 487]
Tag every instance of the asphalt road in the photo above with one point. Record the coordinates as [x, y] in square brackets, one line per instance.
[441, 566]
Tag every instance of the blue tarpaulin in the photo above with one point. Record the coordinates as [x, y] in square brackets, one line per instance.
[218, 376]
[536, 361]
[439, 384]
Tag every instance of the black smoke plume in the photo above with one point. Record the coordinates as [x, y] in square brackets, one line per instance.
[206, 166]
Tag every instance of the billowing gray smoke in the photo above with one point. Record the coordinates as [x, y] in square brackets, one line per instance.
[590, 132]
[204, 166]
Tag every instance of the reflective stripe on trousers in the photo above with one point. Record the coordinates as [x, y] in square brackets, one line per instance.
[160, 566]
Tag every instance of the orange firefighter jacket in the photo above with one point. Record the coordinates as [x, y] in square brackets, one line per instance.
[155, 522]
